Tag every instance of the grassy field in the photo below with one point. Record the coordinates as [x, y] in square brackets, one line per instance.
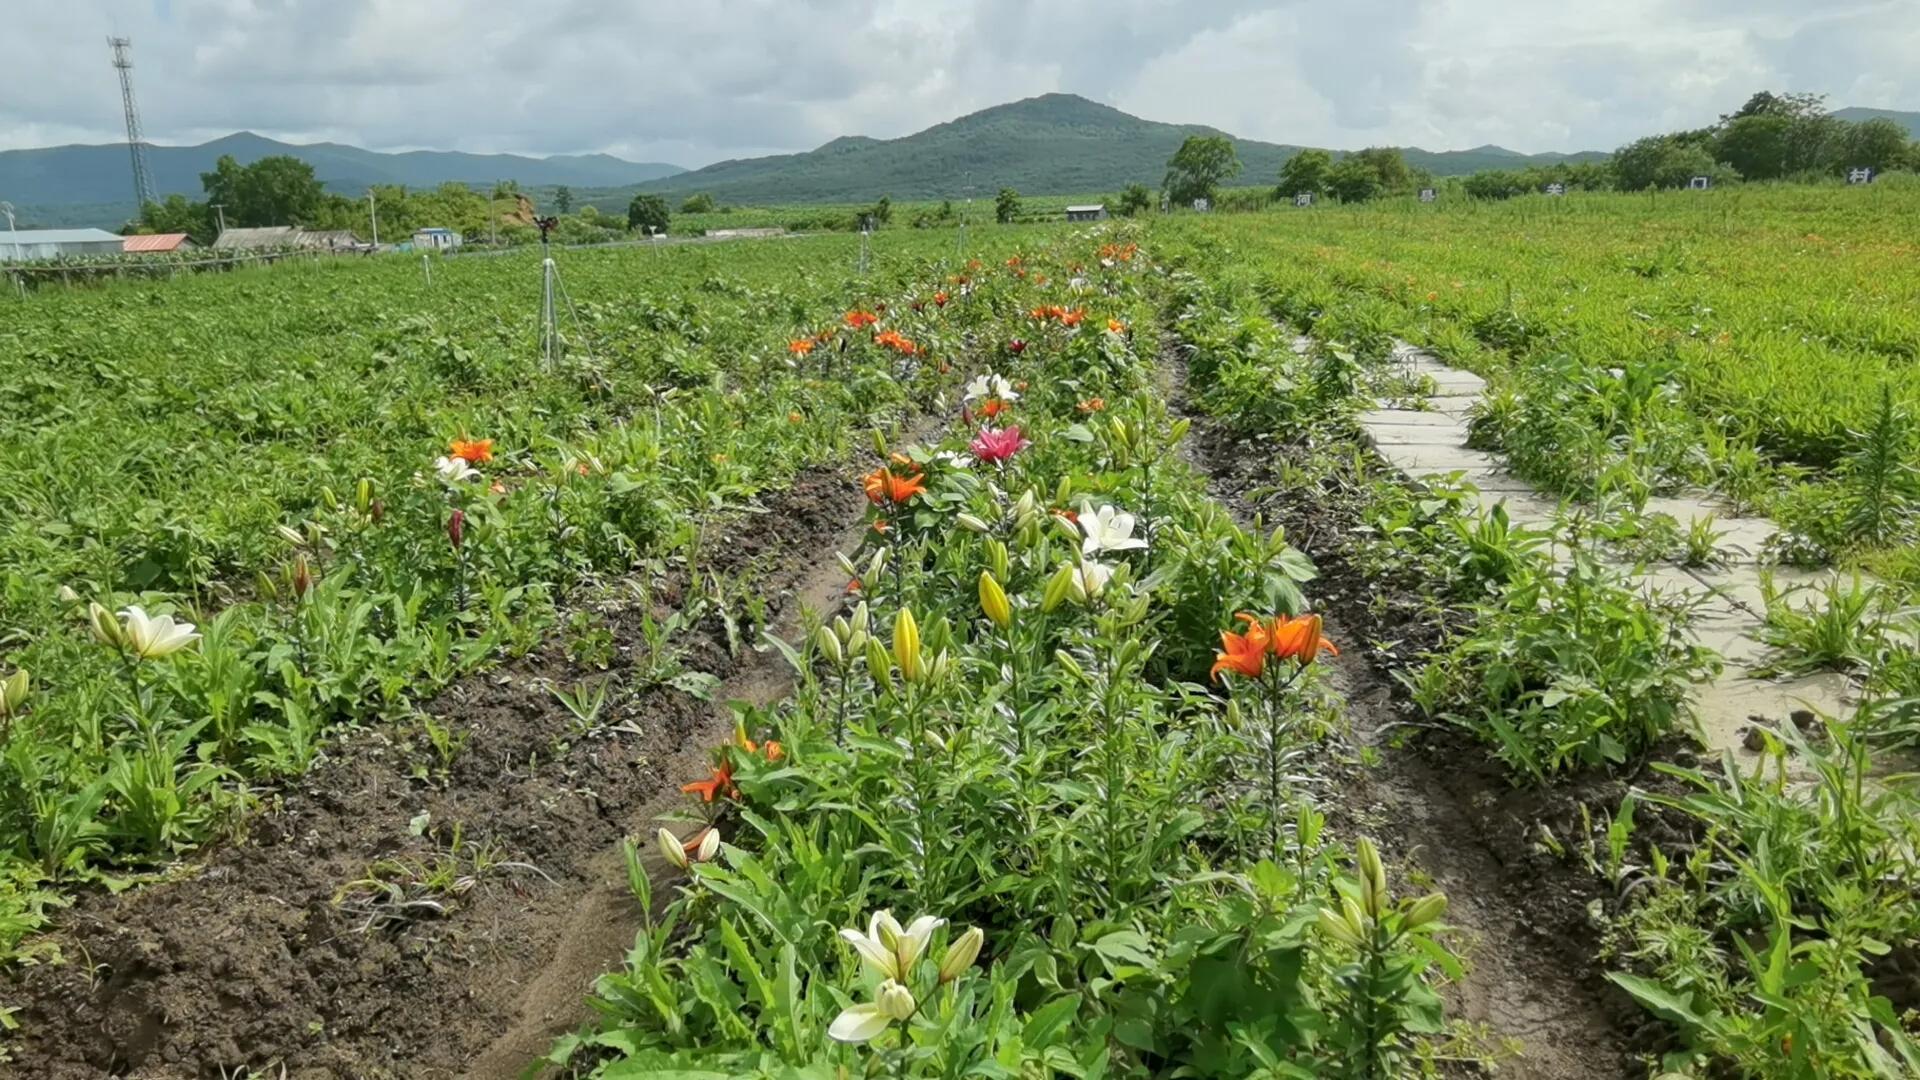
[1759, 342]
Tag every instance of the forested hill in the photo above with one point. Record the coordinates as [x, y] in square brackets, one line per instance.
[1051, 143]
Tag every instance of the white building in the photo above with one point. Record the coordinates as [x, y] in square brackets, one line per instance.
[435, 239]
[1094, 212]
[27, 245]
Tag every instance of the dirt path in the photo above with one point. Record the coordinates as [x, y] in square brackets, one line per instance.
[1445, 816]
[242, 963]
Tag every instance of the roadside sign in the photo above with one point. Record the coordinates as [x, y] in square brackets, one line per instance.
[1700, 183]
[1427, 194]
[1202, 205]
[1556, 189]
[1859, 176]
[1304, 198]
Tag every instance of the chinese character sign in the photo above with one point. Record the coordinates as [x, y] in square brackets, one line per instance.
[1556, 189]
[1427, 194]
[1859, 176]
[1202, 205]
[1304, 198]
[1700, 183]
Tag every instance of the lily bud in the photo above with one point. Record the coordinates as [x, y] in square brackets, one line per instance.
[829, 645]
[997, 560]
[1066, 661]
[13, 693]
[1063, 492]
[880, 665]
[1373, 877]
[876, 564]
[708, 847]
[290, 534]
[857, 642]
[457, 528]
[327, 496]
[932, 739]
[862, 619]
[264, 584]
[961, 954]
[302, 577]
[1336, 928]
[906, 646]
[1059, 587]
[1355, 919]
[363, 495]
[106, 628]
[846, 564]
[941, 667]
[880, 443]
[994, 602]
[895, 1001]
[1425, 910]
[377, 510]
[938, 637]
[971, 523]
[1067, 529]
[66, 595]
[671, 848]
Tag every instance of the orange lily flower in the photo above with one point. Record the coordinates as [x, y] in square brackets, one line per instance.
[771, 749]
[472, 451]
[1115, 326]
[795, 418]
[1072, 318]
[883, 486]
[859, 320]
[940, 299]
[993, 407]
[1242, 654]
[720, 783]
[800, 346]
[1092, 405]
[1299, 640]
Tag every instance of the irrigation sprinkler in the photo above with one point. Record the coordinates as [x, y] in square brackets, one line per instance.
[426, 267]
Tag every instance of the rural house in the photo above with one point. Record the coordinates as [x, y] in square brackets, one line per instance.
[1093, 212]
[26, 245]
[157, 244]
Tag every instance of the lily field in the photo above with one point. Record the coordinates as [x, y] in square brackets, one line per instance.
[1023, 652]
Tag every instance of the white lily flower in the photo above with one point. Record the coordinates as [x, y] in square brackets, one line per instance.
[954, 459]
[859, 1023]
[1107, 529]
[991, 386]
[1090, 580]
[887, 947]
[908, 944]
[453, 470]
[153, 637]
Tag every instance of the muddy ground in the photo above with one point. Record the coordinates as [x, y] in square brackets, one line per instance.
[245, 962]
[1440, 805]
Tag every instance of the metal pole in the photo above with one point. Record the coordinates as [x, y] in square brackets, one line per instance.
[373, 208]
[220, 209]
[548, 331]
[426, 267]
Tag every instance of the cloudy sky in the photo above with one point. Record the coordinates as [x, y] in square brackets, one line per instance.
[691, 84]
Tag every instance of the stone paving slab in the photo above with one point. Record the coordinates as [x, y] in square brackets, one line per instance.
[1731, 608]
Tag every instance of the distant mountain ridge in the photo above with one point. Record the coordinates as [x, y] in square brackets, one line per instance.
[1908, 120]
[1051, 144]
[99, 174]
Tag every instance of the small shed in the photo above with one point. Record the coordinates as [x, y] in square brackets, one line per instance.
[26, 245]
[264, 238]
[435, 239]
[158, 244]
[329, 240]
[1091, 212]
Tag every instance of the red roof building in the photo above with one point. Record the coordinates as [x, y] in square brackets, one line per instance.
[157, 244]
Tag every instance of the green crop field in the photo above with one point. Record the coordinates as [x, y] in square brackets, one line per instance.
[999, 655]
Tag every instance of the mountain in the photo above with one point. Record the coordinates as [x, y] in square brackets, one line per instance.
[64, 176]
[1052, 144]
[1908, 120]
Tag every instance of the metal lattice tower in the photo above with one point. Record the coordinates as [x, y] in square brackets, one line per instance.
[136, 146]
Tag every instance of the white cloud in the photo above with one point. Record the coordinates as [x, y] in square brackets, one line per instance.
[741, 77]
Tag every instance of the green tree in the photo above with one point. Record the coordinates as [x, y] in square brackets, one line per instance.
[1006, 205]
[1878, 144]
[276, 190]
[1135, 198]
[1353, 180]
[1756, 145]
[563, 199]
[1199, 167]
[1305, 173]
[177, 214]
[647, 212]
[1660, 161]
[882, 211]
[697, 203]
[1388, 165]
[1791, 106]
